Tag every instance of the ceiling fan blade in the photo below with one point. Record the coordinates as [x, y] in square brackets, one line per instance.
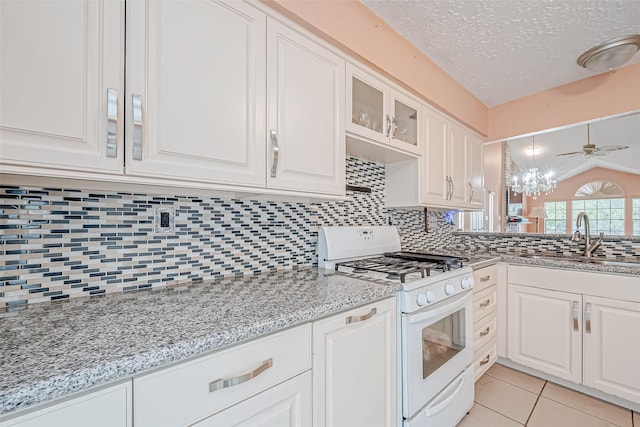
[612, 148]
[573, 153]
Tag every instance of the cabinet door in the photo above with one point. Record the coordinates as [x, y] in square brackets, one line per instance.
[198, 71]
[306, 114]
[354, 367]
[110, 407]
[434, 185]
[544, 331]
[457, 162]
[285, 405]
[612, 347]
[367, 105]
[59, 61]
[405, 122]
[475, 175]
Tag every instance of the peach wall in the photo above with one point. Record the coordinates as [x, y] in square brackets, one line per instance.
[356, 29]
[566, 189]
[353, 27]
[604, 95]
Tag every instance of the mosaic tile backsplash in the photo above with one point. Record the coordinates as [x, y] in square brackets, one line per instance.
[63, 243]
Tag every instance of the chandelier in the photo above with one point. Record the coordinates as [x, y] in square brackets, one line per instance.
[533, 182]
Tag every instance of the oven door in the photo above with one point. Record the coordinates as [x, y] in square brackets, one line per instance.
[437, 345]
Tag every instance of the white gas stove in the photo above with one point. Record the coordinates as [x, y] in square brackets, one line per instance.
[374, 253]
[436, 345]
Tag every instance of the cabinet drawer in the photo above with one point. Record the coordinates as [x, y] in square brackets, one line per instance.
[484, 331]
[485, 358]
[287, 404]
[485, 277]
[484, 302]
[198, 387]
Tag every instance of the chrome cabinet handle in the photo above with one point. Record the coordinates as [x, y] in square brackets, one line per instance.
[575, 316]
[471, 196]
[221, 383]
[485, 332]
[394, 126]
[453, 189]
[112, 123]
[387, 133]
[276, 153]
[485, 360]
[485, 304]
[354, 319]
[137, 126]
[448, 188]
[485, 278]
[587, 318]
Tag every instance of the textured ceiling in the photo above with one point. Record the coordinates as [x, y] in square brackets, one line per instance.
[501, 50]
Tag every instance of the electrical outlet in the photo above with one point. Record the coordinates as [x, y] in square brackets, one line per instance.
[164, 219]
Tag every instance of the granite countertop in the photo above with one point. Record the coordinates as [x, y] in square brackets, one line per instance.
[50, 350]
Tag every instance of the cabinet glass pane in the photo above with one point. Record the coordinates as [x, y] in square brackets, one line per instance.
[368, 106]
[407, 123]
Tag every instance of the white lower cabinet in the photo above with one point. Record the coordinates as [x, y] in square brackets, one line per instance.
[578, 326]
[192, 391]
[484, 319]
[354, 367]
[544, 331]
[109, 407]
[612, 347]
[285, 405]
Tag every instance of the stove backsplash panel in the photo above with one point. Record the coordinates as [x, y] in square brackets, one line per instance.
[63, 243]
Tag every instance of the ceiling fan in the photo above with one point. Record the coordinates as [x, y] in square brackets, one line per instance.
[590, 150]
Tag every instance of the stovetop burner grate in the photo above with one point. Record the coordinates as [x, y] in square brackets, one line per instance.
[444, 261]
[394, 267]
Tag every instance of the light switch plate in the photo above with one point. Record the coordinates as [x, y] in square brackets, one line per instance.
[164, 220]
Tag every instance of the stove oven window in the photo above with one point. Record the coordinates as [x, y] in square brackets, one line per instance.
[441, 341]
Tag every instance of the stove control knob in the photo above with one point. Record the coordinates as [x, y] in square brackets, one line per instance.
[448, 289]
[466, 283]
[431, 296]
[422, 299]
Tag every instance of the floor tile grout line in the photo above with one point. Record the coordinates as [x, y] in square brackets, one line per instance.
[499, 413]
[536, 403]
[586, 413]
[516, 385]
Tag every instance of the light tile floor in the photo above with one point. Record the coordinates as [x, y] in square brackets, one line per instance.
[508, 398]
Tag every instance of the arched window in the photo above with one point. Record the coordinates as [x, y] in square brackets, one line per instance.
[603, 202]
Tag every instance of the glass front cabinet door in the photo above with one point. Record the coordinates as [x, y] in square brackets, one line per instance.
[378, 112]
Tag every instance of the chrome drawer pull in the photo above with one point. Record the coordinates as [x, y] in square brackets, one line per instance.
[354, 319]
[276, 153]
[485, 332]
[486, 303]
[388, 132]
[587, 317]
[485, 360]
[230, 382]
[485, 278]
[112, 123]
[575, 316]
[136, 100]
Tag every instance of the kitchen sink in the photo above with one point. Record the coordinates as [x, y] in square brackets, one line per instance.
[584, 260]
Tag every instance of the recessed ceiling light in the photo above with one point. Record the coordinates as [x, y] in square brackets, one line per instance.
[610, 54]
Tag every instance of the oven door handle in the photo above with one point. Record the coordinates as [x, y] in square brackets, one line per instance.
[444, 400]
[452, 305]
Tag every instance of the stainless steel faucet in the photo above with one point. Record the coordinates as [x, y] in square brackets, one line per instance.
[589, 248]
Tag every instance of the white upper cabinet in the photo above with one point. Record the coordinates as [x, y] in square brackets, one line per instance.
[196, 91]
[381, 113]
[451, 166]
[305, 113]
[62, 85]
[475, 170]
